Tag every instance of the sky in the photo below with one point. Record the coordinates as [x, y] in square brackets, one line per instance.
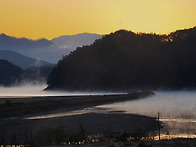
[52, 18]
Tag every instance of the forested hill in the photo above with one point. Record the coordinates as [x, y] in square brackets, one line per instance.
[9, 73]
[125, 60]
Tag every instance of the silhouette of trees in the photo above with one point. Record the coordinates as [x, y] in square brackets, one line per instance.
[123, 60]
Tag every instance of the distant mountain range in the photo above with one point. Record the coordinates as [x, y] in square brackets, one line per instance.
[20, 60]
[73, 41]
[43, 49]
[26, 60]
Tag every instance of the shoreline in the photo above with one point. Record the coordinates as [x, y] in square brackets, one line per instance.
[12, 107]
[93, 123]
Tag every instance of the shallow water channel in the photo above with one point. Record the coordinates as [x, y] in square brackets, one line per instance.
[177, 111]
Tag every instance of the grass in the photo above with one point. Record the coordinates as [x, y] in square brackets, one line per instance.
[59, 136]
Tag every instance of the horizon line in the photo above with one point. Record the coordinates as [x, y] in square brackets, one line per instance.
[136, 32]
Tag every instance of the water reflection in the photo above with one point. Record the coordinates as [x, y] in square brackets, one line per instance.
[177, 111]
[178, 120]
[170, 105]
[77, 112]
[168, 136]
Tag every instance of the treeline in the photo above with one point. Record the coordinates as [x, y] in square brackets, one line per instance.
[11, 74]
[125, 60]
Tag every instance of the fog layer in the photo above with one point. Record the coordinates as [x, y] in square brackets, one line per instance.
[178, 104]
[29, 90]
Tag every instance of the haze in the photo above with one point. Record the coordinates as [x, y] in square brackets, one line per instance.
[170, 104]
[30, 90]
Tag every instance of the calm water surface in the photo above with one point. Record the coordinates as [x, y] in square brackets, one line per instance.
[177, 110]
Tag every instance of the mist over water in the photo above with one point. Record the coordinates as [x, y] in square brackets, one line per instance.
[26, 90]
[177, 110]
[178, 104]
[30, 90]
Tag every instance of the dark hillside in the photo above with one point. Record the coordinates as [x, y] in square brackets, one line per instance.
[9, 73]
[124, 60]
[36, 74]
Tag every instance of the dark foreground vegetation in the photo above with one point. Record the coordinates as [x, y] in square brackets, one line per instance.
[61, 136]
[125, 60]
[58, 136]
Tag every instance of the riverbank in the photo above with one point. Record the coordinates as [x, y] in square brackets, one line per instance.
[15, 128]
[19, 107]
[76, 128]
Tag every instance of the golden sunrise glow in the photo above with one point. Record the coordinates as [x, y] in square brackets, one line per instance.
[52, 18]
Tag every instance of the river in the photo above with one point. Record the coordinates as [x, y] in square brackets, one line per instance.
[177, 109]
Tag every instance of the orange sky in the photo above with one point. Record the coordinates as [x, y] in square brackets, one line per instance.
[52, 18]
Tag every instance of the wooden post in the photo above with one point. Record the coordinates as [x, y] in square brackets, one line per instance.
[159, 126]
